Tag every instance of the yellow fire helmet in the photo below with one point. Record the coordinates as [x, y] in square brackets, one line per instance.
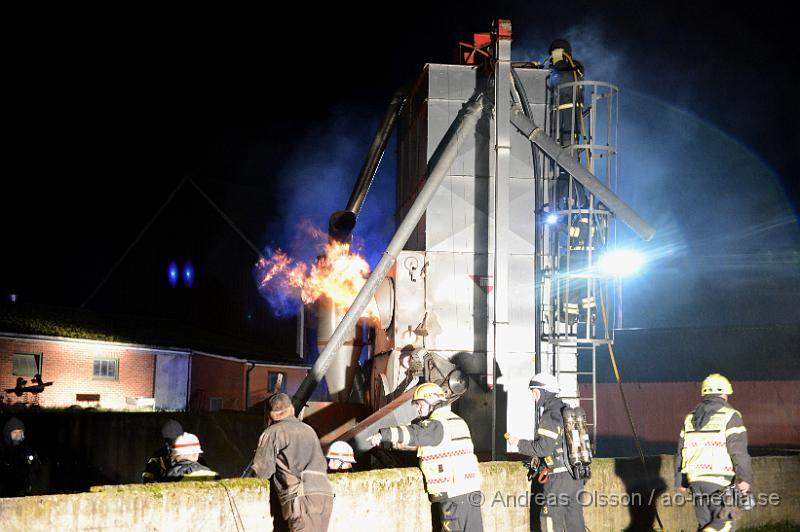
[430, 392]
[716, 384]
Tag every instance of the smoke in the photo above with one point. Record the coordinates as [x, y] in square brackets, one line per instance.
[725, 230]
[316, 181]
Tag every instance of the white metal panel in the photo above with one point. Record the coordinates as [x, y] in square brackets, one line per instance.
[452, 82]
[516, 370]
[473, 156]
[521, 305]
[458, 294]
[410, 304]
[521, 235]
[457, 217]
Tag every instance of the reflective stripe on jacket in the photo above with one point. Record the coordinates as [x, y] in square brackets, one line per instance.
[704, 456]
[451, 467]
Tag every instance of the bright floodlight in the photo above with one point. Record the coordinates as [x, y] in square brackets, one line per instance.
[551, 218]
[620, 262]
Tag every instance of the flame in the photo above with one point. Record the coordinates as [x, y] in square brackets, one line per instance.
[338, 275]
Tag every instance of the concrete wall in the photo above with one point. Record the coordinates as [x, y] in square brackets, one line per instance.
[390, 500]
[69, 364]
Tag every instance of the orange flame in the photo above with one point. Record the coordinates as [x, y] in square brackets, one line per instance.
[338, 275]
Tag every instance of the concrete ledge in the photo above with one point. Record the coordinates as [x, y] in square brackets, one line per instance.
[619, 496]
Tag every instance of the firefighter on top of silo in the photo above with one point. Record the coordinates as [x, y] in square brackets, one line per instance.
[712, 454]
[446, 457]
[565, 72]
[561, 509]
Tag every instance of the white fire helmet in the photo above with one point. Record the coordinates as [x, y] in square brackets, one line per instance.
[185, 444]
[544, 381]
[341, 450]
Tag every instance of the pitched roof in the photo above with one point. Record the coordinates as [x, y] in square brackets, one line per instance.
[26, 318]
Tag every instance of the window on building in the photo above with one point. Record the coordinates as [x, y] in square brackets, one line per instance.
[26, 364]
[215, 404]
[106, 368]
[272, 381]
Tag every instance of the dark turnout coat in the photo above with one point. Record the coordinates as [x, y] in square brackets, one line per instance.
[290, 454]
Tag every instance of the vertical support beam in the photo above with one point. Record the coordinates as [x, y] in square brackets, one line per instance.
[301, 331]
[500, 208]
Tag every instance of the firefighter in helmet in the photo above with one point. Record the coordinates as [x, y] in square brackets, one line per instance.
[446, 457]
[566, 74]
[561, 508]
[340, 457]
[712, 454]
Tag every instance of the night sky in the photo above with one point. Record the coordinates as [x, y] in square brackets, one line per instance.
[272, 113]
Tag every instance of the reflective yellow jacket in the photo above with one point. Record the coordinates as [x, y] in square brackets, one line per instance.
[704, 455]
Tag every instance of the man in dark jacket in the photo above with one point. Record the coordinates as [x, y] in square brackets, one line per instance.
[158, 464]
[712, 454]
[185, 452]
[290, 454]
[18, 462]
[561, 509]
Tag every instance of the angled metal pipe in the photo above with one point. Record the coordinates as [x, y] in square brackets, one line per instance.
[564, 159]
[440, 162]
[342, 223]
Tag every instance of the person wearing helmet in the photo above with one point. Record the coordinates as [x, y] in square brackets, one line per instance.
[565, 72]
[156, 467]
[712, 453]
[560, 509]
[185, 452]
[446, 457]
[290, 456]
[340, 457]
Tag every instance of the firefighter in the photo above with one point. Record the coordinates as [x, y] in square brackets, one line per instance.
[19, 464]
[446, 458]
[185, 452]
[712, 454]
[340, 457]
[561, 509]
[160, 461]
[290, 456]
[564, 70]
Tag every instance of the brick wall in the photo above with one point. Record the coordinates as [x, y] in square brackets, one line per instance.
[258, 381]
[69, 364]
[217, 377]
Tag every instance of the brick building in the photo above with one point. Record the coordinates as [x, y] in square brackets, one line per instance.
[97, 361]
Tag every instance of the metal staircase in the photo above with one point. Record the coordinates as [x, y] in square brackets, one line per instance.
[574, 230]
